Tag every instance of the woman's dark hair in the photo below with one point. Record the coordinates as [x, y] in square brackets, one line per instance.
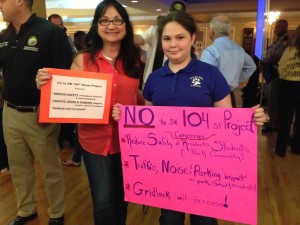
[297, 41]
[129, 53]
[182, 18]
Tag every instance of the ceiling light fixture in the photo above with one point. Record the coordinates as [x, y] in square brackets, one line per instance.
[272, 16]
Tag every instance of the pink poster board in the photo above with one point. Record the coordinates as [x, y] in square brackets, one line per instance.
[195, 160]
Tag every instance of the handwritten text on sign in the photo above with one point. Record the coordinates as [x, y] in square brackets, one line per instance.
[196, 160]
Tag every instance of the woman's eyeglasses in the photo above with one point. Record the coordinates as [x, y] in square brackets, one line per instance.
[115, 21]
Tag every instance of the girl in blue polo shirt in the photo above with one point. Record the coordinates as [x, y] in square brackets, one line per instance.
[185, 81]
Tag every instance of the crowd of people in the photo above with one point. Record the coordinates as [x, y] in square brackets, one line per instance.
[110, 46]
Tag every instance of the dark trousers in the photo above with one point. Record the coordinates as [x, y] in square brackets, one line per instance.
[169, 217]
[289, 103]
[272, 97]
[232, 97]
[106, 184]
[3, 150]
[66, 133]
[251, 92]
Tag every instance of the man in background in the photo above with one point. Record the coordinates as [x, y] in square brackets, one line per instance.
[67, 130]
[271, 76]
[230, 58]
[28, 44]
[58, 21]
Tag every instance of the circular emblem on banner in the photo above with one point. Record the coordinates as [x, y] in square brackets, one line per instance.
[32, 41]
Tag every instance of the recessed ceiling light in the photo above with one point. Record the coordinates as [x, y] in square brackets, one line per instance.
[158, 10]
[134, 1]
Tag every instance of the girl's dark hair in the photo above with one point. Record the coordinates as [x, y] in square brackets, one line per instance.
[129, 53]
[297, 41]
[182, 18]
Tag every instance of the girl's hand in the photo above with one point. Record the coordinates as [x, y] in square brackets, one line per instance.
[259, 115]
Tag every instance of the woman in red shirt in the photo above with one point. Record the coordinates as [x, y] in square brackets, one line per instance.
[110, 50]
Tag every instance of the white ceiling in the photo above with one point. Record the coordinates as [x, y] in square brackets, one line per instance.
[76, 11]
[75, 4]
[146, 10]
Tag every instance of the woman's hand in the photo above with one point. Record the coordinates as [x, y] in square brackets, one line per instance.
[42, 78]
[259, 115]
[116, 112]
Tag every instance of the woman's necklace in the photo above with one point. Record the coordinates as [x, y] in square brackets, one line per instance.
[108, 58]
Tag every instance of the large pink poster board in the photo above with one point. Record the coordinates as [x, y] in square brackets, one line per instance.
[195, 160]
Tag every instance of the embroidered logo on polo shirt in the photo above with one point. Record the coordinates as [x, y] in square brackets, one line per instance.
[32, 41]
[196, 81]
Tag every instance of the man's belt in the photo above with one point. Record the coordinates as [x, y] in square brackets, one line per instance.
[22, 108]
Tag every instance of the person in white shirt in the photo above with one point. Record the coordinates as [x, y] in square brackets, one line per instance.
[230, 58]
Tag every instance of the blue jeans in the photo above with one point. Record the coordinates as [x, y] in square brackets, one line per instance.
[106, 184]
[169, 217]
